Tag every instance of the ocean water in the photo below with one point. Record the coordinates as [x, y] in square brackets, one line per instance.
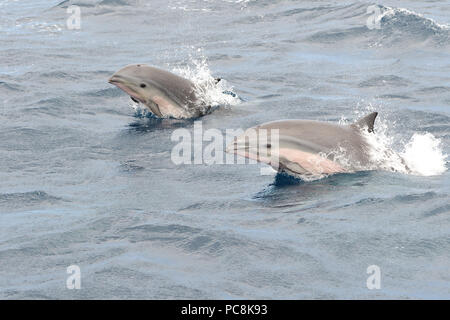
[87, 179]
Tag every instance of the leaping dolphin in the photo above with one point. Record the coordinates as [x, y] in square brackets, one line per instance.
[164, 93]
[307, 147]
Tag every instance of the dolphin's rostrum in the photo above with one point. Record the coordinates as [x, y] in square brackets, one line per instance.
[164, 93]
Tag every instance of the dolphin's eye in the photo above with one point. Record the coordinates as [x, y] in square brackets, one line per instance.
[143, 85]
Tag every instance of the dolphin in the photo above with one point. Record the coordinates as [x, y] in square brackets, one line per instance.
[307, 147]
[165, 94]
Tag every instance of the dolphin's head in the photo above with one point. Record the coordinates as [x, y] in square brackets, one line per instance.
[134, 80]
[255, 144]
[165, 93]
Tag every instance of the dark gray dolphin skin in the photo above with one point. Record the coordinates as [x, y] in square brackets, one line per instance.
[307, 147]
[165, 94]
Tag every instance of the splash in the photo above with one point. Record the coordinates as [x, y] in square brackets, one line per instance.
[422, 155]
[140, 110]
[209, 91]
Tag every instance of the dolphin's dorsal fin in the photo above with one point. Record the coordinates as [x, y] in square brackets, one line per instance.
[366, 122]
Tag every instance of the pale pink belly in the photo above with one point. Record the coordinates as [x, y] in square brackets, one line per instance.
[312, 163]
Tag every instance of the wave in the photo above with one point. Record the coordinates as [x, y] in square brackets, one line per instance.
[382, 26]
[385, 81]
[9, 86]
[399, 24]
[94, 3]
[402, 18]
[26, 199]
[107, 93]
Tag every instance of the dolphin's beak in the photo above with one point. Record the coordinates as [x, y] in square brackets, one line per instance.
[247, 146]
[124, 84]
[114, 79]
[241, 147]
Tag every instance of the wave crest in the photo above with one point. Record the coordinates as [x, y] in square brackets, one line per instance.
[382, 26]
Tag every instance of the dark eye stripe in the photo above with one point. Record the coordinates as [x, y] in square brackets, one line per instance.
[143, 85]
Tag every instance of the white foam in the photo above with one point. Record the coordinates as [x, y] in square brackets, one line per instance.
[140, 110]
[208, 91]
[422, 155]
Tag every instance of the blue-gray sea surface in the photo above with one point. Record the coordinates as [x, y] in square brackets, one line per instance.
[87, 181]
